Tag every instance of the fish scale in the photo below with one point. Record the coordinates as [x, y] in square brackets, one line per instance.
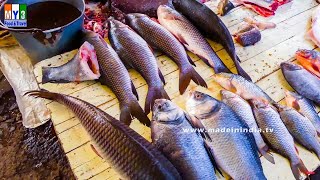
[110, 136]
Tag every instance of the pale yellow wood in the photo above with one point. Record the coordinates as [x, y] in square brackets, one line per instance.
[260, 61]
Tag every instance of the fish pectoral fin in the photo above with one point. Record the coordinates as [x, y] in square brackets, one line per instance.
[295, 105]
[232, 88]
[95, 150]
[211, 156]
[196, 123]
[134, 91]
[161, 76]
[181, 39]
[264, 151]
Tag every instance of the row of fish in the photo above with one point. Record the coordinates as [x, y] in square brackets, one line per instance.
[131, 49]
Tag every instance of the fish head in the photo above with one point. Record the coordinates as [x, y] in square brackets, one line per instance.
[225, 81]
[288, 66]
[166, 12]
[115, 24]
[134, 16]
[292, 99]
[258, 103]
[166, 111]
[200, 104]
[228, 95]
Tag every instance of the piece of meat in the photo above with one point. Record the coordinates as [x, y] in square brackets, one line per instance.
[260, 25]
[248, 35]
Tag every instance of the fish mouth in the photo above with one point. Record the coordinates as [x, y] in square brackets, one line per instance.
[89, 61]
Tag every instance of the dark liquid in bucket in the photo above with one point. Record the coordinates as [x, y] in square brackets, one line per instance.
[51, 14]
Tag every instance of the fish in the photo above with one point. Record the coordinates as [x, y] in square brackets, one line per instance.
[277, 135]
[130, 154]
[136, 53]
[115, 75]
[314, 33]
[300, 128]
[258, 24]
[243, 110]
[310, 60]
[240, 86]
[305, 107]
[248, 35]
[234, 153]
[190, 37]
[225, 6]
[160, 38]
[186, 150]
[82, 67]
[302, 81]
[211, 26]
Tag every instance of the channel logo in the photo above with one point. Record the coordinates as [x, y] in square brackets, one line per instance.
[15, 15]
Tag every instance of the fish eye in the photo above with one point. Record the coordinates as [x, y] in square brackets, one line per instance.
[198, 96]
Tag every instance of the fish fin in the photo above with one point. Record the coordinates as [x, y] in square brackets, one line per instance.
[196, 123]
[45, 74]
[300, 167]
[182, 40]
[211, 155]
[219, 68]
[43, 94]
[315, 67]
[133, 109]
[296, 149]
[296, 105]
[134, 90]
[232, 87]
[242, 72]
[265, 154]
[186, 74]
[191, 62]
[153, 94]
[95, 151]
[161, 76]
[205, 60]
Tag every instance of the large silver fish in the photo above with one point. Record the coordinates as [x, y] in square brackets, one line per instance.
[135, 53]
[160, 38]
[173, 134]
[234, 151]
[305, 83]
[305, 107]
[300, 128]
[132, 156]
[243, 110]
[239, 85]
[115, 75]
[277, 135]
[190, 37]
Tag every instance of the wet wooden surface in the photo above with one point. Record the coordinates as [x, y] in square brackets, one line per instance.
[261, 61]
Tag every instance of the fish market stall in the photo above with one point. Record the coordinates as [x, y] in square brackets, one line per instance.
[261, 62]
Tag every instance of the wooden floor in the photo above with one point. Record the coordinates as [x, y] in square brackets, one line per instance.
[261, 61]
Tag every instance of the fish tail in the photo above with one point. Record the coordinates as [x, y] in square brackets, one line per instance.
[265, 154]
[133, 109]
[154, 93]
[186, 74]
[46, 74]
[44, 94]
[241, 71]
[296, 168]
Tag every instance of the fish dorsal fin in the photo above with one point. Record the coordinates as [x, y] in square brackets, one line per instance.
[161, 76]
[95, 151]
[196, 123]
[134, 91]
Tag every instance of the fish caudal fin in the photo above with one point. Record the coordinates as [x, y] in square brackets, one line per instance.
[241, 71]
[153, 94]
[265, 154]
[133, 109]
[186, 75]
[43, 94]
[300, 167]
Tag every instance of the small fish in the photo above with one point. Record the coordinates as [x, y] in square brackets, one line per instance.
[235, 152]
[248, 35]
[243, 110]
[310, 60]
[225, 6]
[277, 135]
[186, 150]
[157, 36]
[260, 25]
[300, 128]
[237, 84]
[314, 33]
[211, 26]
[115, 75]
[132, 156]
[302, 81]
[82, 67]
[136, 53]
[190, 37]
[305, 107]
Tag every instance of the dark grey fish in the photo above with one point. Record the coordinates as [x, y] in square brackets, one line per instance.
[135, 53]
[82, 67]
[300, 128]
[190, 37]
[305, 83]
[160, 38]
[277, 135]
[115, 75]
[132, 156]
[211, 26]
[172, 134]
[235, 152]
[305, 107]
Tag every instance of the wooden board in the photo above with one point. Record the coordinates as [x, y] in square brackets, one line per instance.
[261, 61]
